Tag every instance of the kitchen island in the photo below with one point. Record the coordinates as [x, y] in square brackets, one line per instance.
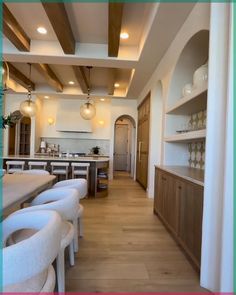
[99, 165]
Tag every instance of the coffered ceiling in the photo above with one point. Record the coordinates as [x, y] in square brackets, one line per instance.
[88, 34]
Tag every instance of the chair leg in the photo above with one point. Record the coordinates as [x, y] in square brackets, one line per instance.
[76, 243]
[61, 271]
[71, 253]
[81, 228]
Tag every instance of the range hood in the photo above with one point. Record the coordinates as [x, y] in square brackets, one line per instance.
[69, 119]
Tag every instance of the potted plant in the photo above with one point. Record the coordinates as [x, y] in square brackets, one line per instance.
[96, 150]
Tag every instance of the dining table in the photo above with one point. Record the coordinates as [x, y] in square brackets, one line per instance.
[18, 188]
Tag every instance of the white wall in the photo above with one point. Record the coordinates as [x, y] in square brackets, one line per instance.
[197, 20]
[103, 113]
[155, 135]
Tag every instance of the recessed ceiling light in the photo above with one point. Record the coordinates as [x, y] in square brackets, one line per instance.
[117, 85]
[71, 82]
[46, 97]
[42, 30]
[124, 35]
[102, 99]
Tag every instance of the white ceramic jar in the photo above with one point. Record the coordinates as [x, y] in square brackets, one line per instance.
[187, 89]
[200, 76]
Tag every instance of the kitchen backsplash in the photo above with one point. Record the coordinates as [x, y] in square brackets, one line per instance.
[197, 149]
[80, 145]
[197, 154]
[198, 120]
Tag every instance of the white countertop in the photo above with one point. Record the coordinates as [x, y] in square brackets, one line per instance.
[50, 158]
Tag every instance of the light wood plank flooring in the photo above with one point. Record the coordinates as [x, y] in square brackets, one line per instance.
[126, 248]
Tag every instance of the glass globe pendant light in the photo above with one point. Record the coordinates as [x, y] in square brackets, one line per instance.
[28, 107]
[88, 110]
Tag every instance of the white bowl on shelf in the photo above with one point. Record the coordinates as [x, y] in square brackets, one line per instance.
[200, 76]
[187, 89]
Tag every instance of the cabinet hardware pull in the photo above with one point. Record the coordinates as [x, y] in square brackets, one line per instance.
[179, 187]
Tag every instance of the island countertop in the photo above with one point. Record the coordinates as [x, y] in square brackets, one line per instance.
[51, 158]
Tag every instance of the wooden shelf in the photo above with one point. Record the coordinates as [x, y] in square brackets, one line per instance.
[192, 103]
[187, 137]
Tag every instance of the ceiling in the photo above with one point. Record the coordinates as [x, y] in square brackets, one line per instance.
[150, 35]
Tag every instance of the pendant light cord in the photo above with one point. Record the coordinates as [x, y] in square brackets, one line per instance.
[29, 86]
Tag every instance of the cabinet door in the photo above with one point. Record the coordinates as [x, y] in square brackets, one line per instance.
[171, 204]
[190, 220]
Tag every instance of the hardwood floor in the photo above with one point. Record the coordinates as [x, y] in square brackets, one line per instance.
[126, 248]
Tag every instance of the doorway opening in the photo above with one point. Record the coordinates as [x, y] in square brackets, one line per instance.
[124, 146]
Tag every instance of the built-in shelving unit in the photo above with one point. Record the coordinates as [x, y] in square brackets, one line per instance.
[101, 182]
[195, 102]
[185, 115]
[187, 137]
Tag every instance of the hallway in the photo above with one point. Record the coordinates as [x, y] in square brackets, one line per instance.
[126, 248]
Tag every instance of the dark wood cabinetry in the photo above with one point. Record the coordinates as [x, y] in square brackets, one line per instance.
[179, 204]
[143, 142]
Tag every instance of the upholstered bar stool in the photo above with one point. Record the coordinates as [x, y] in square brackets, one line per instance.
[37, 165]
[60, 168]
[15, 166]
[81, 170]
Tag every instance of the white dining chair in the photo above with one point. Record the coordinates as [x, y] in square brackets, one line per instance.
[81, 186]
[64, 202]
[27, 265]
[15, 166]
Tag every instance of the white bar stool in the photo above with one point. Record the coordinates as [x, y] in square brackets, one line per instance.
[37, 165]
[80, 169]
[15, 166]
[60, 168]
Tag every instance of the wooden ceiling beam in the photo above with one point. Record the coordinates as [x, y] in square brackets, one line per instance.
[81, 78]
[50, 76]
[111, 81]
[114, 27]
[14, 32]
[59, 20]
[20, 78]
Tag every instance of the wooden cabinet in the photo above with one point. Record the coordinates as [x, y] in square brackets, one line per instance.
[143, 142]
[179, 204]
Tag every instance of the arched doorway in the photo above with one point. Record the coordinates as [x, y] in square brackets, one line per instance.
[124, 144]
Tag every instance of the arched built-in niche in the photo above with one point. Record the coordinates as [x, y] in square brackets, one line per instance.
[180, 109]
[194, 54]
[124, 162]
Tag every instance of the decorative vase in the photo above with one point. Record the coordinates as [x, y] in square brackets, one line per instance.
[200, 76]
[187, 89]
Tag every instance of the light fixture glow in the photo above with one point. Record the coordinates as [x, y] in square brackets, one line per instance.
[71, 82]
[28, 107]
[101, 122]
[102, 99]
[50, 121]
[124, 35]
[46, 97]
[88, 110]
[117, 85]
[42, 30]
